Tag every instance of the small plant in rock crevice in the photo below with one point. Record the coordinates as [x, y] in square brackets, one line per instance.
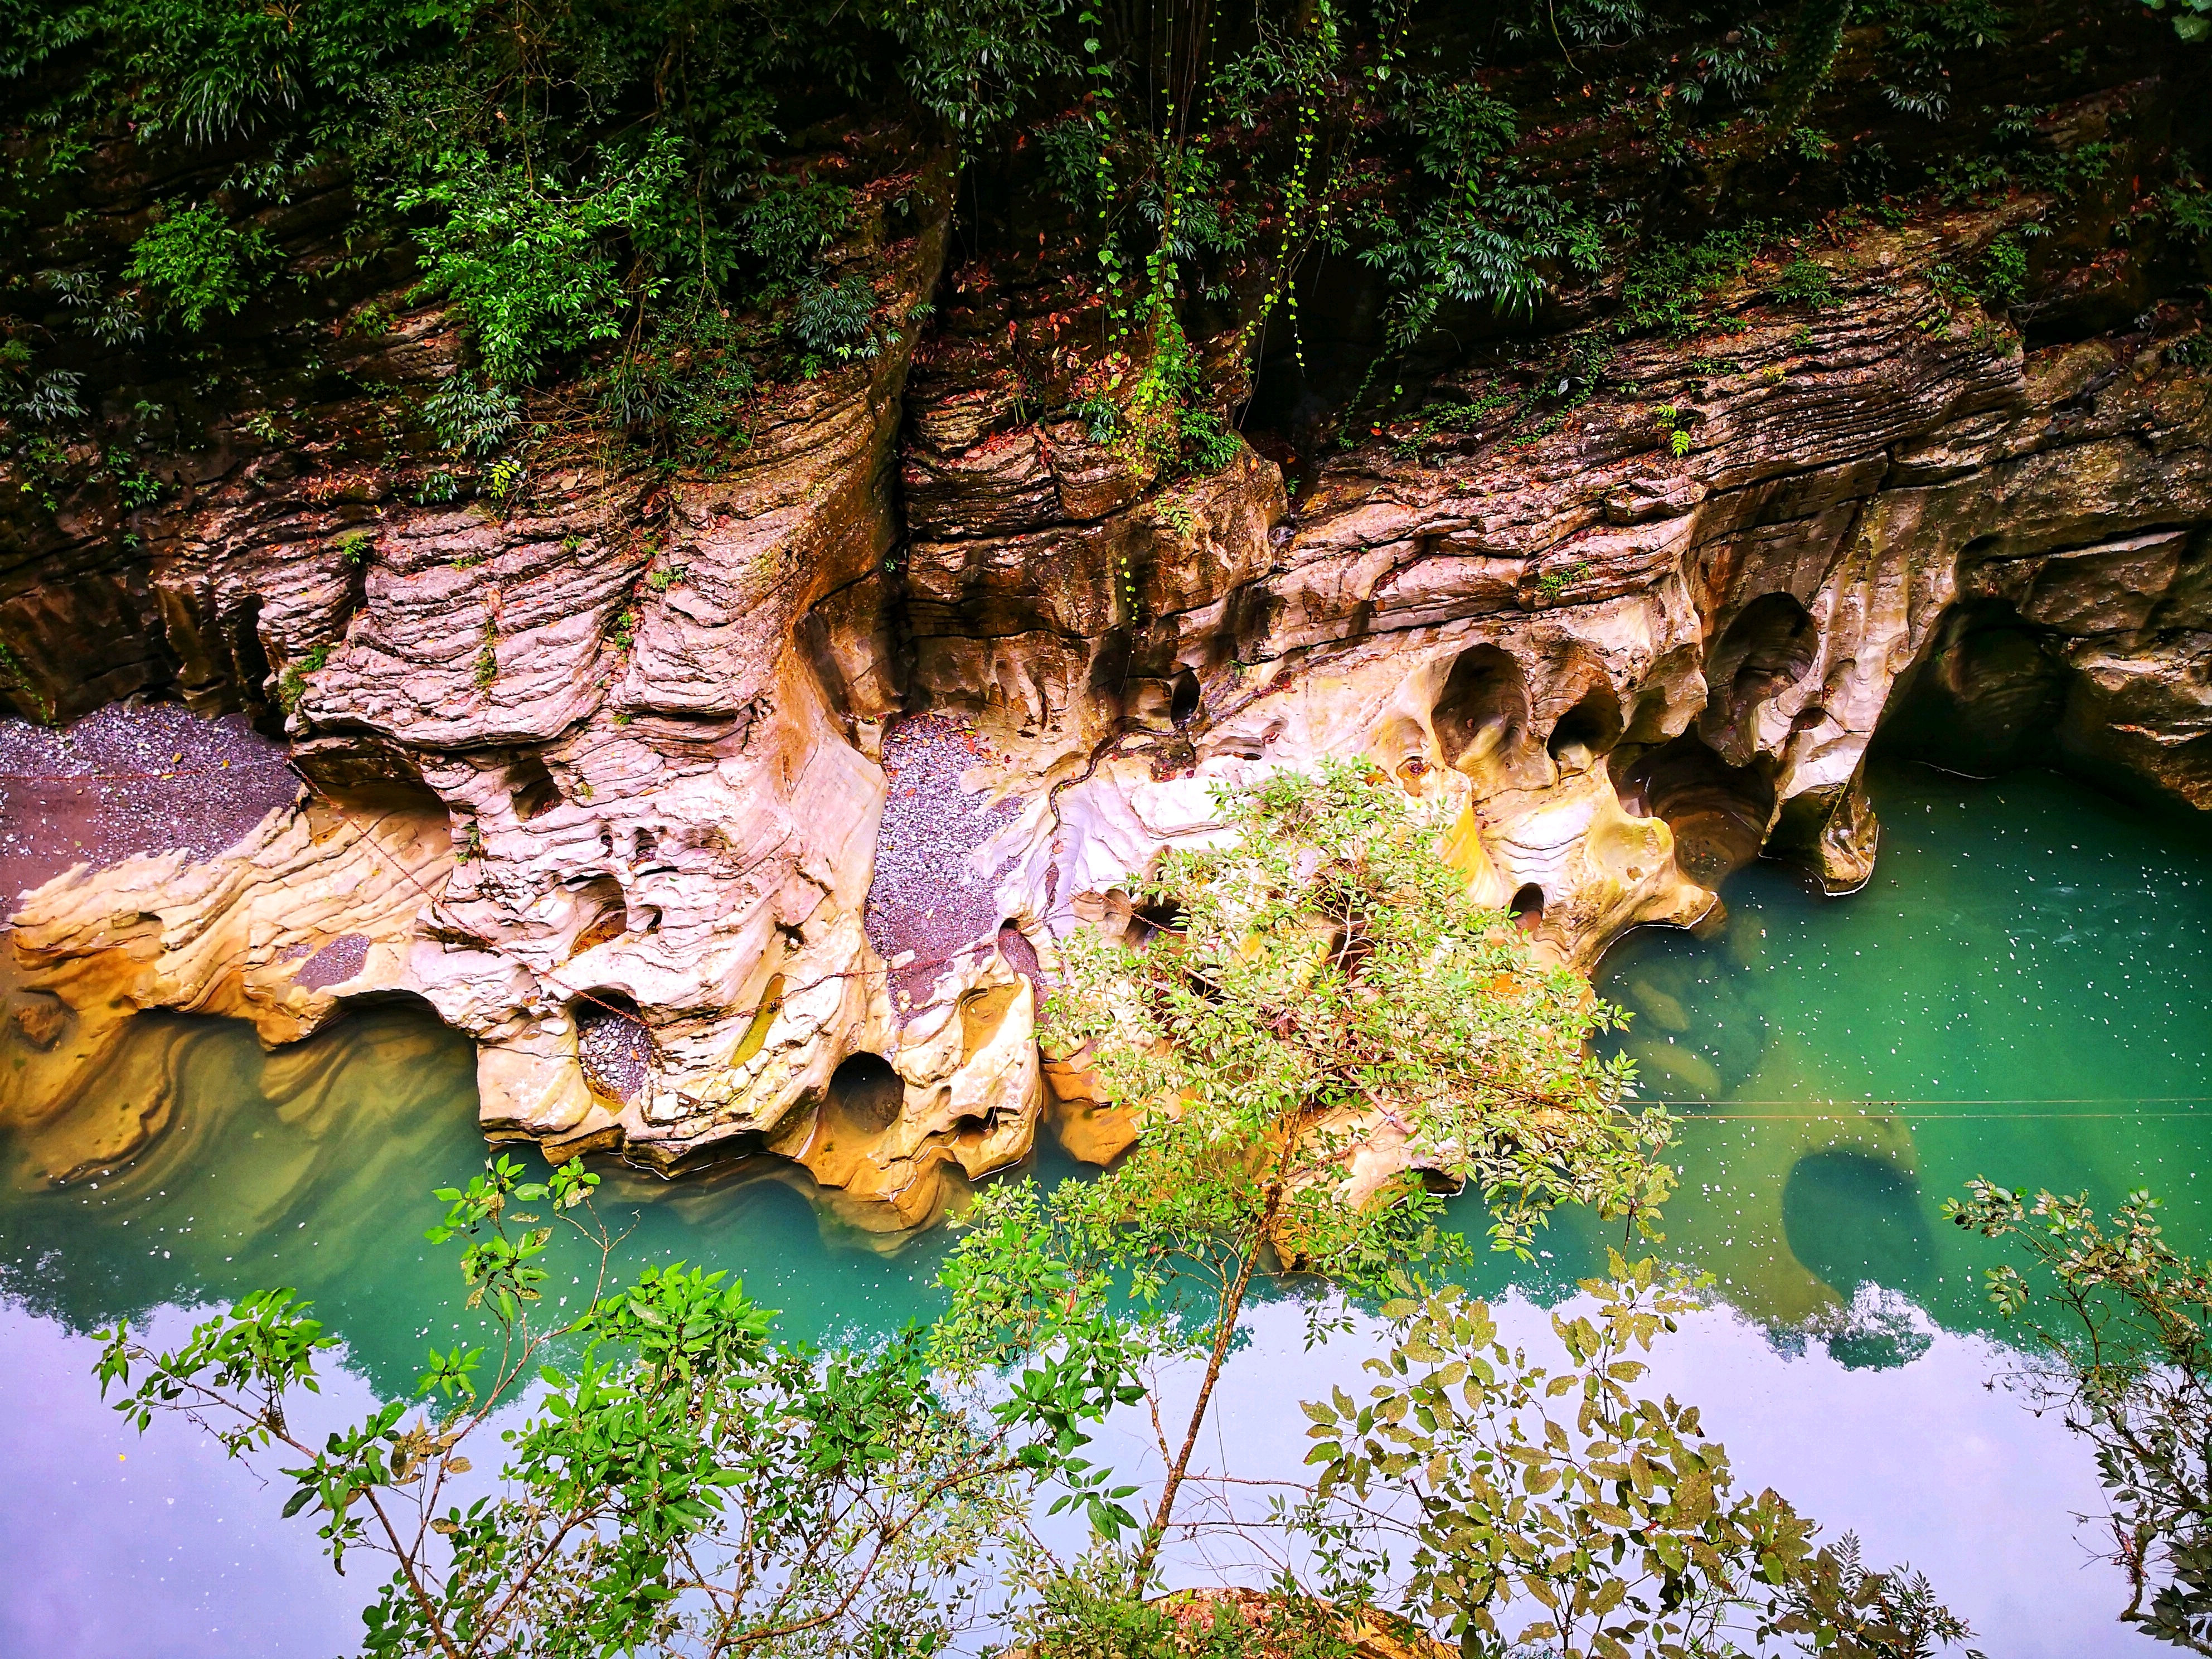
[292, 685]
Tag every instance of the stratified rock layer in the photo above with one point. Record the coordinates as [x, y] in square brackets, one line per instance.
[612, 748]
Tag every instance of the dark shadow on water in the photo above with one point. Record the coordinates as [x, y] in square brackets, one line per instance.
[1855, 1220]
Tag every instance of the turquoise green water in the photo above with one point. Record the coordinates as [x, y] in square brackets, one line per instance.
[2019, 992]
[311, 1167]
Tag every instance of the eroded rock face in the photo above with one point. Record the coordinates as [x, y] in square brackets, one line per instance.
[620, 744]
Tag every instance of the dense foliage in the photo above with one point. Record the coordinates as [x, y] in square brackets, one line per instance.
[685, 1483]
[1535, 1510]
[1316, 983]
[669, 205]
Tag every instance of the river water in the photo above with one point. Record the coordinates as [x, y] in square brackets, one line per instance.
[2019, 992]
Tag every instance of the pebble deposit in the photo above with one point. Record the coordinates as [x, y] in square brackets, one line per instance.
[129, 779]
[926, 896]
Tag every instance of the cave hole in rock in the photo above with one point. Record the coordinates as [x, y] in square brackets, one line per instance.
[1148, 921]
[645, 846]
[1852, 1218]
[1183, 699]
[1766, 649]
[1483, 708]
[1592, 726]
[613, 1044]
[601, 899]
[530, 787]
[1526, 908]
[1989, 694]
[1719, 813]
[865, 1095]
[255, 672]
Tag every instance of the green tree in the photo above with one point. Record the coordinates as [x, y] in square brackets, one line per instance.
[1304, 1020]
[198, 263]
[2120, 1325]
[1516, 1508]
[685, 1483]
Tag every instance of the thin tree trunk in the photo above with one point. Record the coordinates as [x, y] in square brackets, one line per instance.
[1224, 1333]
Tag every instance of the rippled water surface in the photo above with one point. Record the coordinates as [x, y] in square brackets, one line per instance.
[2019, 992]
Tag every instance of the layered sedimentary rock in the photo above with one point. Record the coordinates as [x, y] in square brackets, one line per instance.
[615, 746]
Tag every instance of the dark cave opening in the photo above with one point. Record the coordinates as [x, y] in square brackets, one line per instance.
[1593, 727]
[1183, 699]
[865, 1094]
[1988, 695]
[1483, 708]
[1719, 813]
[1766, 648]
[532, 789]
[1527, 907]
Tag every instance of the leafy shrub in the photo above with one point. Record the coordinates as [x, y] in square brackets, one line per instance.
[1805, 282]
[199, 263]
[969, 61]
[2004, 270]
[1078, 160]
[293, 684]
[530, 265]
[1100, 414]
[1815, 38]
[2192, 19]
[1668, 283]
[2189, 210]
[1647, 1545]
[469, 419]
[1208, 443]
[2117, 1326]
[786, 227]
[833, 319]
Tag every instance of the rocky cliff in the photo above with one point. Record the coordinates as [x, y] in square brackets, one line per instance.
[736, 809]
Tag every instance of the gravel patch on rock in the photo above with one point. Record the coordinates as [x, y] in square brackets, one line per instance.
[128, 779]
[925, 897]
[335, 963]
[614, 1049]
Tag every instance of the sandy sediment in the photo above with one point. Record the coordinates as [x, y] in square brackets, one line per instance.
[128, 779]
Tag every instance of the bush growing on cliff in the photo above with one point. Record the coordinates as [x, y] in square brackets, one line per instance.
[578, 181]
[199, 263]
